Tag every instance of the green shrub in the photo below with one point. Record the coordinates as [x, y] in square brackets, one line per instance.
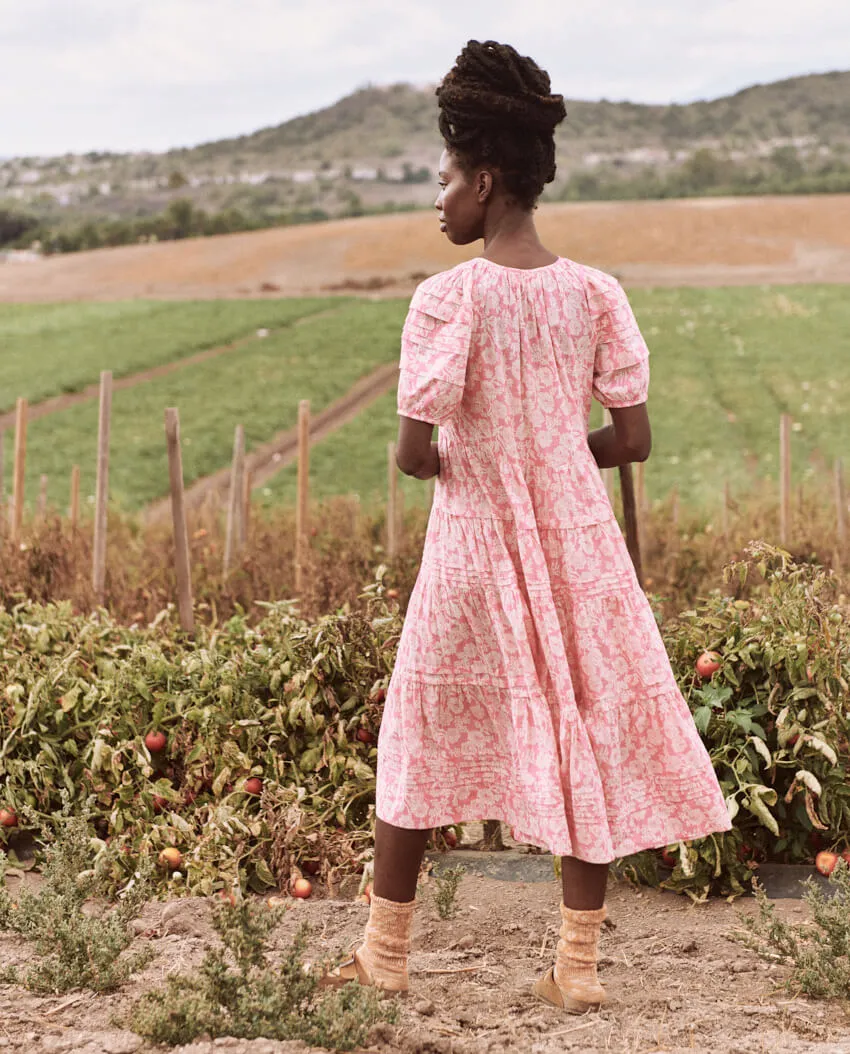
[447, 880]
[76, 949]
[237, 992]
[818, 953]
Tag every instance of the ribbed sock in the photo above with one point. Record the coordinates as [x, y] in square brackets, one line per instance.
[386, 948]
[578, 953]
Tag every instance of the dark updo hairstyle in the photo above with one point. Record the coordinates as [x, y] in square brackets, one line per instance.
[496, 108]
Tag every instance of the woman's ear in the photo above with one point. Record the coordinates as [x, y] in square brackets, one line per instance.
[484, 186]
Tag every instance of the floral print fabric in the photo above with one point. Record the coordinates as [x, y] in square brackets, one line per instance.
[532, 684]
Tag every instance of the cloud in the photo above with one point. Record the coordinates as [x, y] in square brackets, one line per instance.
[154, 73]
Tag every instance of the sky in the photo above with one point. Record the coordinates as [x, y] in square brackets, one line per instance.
[79, 75]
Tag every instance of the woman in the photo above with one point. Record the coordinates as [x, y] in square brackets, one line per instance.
[532, 684]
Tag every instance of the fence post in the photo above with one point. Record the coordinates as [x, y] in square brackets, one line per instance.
[247, 487]
[42, 497]
[674, 508]
[608, 473]
[630, 518]
[102, 486]
[74, 509]
[19, 469]
[234, 538]
[302, 508]
[724, 511]
[392, 502]
[840, 503]
[640, 496]
[785, 479]
[178, 517]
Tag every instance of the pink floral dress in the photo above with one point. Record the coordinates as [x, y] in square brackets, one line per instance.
[532, 684]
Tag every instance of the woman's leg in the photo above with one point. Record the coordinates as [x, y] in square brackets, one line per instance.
[398, 858]
[573, 984]
[583, 884]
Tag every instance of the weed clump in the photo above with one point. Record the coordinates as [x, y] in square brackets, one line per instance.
[447, 881]
[818, 953]
[77, 949]
[237, 992]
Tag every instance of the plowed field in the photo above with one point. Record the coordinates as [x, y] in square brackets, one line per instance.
[712, 241]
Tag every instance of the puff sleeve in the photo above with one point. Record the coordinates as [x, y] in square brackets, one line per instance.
[434, 350]
[621, 359]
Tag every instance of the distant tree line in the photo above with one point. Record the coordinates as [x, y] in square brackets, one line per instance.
[181, 219]
[704, 173]
[707, 173]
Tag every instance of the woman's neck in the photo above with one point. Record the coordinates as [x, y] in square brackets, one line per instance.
[511, 239]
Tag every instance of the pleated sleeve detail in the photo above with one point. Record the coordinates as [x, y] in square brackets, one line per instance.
[621, 364]
[434, 350]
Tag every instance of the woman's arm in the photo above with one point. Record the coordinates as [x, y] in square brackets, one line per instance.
[628, 438]
[416, 455]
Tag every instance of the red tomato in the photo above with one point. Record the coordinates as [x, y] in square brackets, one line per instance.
[668, 858]
[171, 858]
[302, 888]
[364, 735]
[825, 862]
[253, 785]
[155, 742]
[8, 818]
[708, 664]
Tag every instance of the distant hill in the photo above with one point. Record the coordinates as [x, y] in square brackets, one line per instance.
[380, 123]
[377, 149]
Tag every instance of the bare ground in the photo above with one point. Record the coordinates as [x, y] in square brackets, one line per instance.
[712, 241]
[676, 982]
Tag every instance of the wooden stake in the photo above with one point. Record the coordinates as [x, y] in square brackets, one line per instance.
[178, 517]
[392, 502]
[302, 508]
[674, 508]
[19, 469]
[2, 479]
[640, 496]
[102, 485]
[74, 509]
[247, 487]
[630, 517]
[234, 539]
[42, 497]
[608, 473]
[785, 479]
[840, 502]
[724, 509]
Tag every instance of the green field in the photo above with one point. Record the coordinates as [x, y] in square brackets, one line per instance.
[48, 349]
[725, 364]
[258, 385]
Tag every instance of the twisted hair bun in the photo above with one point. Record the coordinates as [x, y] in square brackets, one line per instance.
[497, 107]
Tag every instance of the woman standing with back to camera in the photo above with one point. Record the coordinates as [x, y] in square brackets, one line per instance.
[531, 684]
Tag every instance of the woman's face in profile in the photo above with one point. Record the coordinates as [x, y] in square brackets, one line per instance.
[461, 201]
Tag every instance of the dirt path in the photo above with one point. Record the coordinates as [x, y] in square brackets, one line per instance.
[92, 391]
[270, 457]
[675, 981]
